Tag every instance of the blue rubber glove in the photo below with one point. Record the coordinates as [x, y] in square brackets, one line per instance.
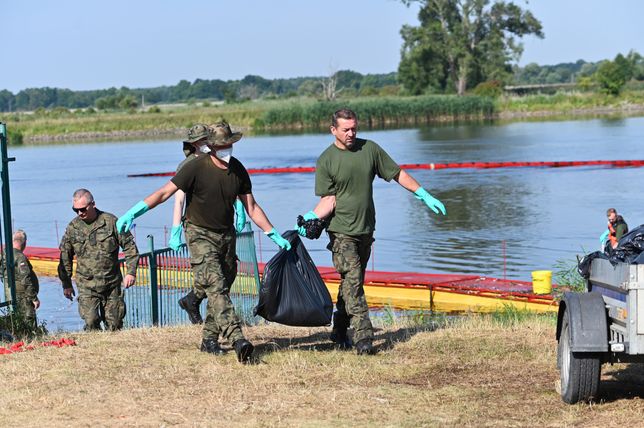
[240, 222]
[175, 238]
[308, 216]
[604, 237]
[278, 239]
[433, 203]
[124, 223]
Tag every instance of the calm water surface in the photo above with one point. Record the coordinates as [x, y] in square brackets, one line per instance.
[540, 215]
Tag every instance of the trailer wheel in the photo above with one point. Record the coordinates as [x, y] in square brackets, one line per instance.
[579, 371]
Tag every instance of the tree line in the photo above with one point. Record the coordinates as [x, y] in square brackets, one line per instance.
[347, 83]
[250, 87]
[459, 47]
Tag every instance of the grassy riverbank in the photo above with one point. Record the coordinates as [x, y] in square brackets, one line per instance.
[171, 121]
[480, 371]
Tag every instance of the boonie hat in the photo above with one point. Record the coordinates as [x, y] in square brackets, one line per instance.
[222, 135]
[198, 132]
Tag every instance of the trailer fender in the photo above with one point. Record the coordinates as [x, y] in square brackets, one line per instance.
[588, 321]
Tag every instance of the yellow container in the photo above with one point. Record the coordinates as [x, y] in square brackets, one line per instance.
[542, 282]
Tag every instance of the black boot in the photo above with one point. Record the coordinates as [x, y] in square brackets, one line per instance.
[339, 332]
[244, 350]
[365, 347]
[190, 303]
[211, 346]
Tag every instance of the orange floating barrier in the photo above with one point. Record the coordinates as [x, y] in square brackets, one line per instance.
[433, 166]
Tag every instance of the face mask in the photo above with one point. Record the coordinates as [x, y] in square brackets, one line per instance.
[204, 148]
[224, 154]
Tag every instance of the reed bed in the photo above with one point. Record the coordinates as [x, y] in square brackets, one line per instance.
[172, 121]
[380, 111]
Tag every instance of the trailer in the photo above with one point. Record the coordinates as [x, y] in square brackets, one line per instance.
[605, 324]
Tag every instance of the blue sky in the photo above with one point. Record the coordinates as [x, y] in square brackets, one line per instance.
[84, 44]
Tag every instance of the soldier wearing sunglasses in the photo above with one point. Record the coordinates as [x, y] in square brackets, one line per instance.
[92, 237]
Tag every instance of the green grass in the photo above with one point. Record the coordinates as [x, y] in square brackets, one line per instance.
[15, 323]
[510, 316]
[563, 102]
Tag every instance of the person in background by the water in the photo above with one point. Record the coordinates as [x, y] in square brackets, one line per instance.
[212, 183]
[27, 286]
[195, 145]
[93, 238]
[617, 228]
[344, 176]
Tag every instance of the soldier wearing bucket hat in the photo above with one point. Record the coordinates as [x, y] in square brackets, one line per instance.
[197, 136]
[212, 183]
[221, 140]
[196, 145]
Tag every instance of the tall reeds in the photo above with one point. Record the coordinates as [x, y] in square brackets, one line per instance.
[379, 111]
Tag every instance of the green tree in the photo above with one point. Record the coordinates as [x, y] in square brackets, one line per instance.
[625, 65]
[637, 64]
[462, 43]
[611, 77]
[128, 102]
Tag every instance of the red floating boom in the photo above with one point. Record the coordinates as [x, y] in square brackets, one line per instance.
[481, 165]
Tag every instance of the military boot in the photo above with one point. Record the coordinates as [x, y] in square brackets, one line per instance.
[190, 303]
[339, 332]
[365, 347]
[244, 350]
[211, 346]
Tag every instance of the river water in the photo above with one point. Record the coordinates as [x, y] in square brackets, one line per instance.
[500, 222]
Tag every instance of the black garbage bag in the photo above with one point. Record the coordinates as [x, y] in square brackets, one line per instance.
[583, 267]
[292, 291]
[629, 247]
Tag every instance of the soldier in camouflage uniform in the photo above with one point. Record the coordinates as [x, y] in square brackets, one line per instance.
[344, 177]
[26, 280]
[211, 183]
[92, 237]
[194, 146]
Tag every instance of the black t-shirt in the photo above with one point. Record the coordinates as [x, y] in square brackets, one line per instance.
[211, 191]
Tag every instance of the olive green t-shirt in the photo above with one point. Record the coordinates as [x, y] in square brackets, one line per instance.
[349, 174]
[189, 158]
[211, 191]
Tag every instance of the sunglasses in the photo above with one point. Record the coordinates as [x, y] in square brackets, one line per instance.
[82, 210]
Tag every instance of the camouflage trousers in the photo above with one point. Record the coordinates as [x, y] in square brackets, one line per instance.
[106, 305]
[25, 306]
[350, 257]
[214, 265]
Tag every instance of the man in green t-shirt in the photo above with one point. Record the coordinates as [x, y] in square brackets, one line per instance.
[211, 183]
[194, 146]
[344, 177]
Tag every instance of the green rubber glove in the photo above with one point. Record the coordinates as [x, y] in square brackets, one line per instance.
[175, 238]
[124, 223]
[308, 216]
[433, 203]
[278, 239]
[604, 237]
[240, 221]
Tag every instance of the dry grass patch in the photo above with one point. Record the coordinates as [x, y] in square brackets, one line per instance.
[472, 373]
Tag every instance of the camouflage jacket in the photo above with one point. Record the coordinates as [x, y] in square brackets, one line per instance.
[26, 279]
[96, 247]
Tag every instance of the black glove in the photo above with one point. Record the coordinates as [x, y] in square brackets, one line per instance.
[312, 228]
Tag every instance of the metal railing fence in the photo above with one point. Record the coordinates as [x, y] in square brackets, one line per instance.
[164, 276]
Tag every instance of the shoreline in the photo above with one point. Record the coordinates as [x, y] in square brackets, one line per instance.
[629, 110]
